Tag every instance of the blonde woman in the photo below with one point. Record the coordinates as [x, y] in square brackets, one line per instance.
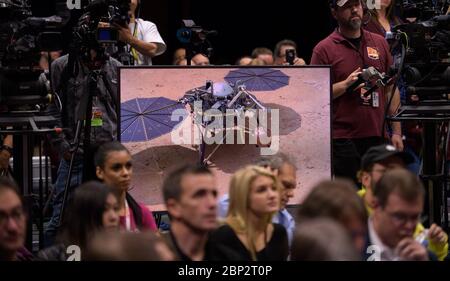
[248, 230]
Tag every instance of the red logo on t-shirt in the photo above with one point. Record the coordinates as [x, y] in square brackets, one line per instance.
[372, 53]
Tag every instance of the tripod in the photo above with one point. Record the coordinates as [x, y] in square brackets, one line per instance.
[84, 117]
[434, 170]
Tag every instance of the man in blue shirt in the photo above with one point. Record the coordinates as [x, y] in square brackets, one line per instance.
[285, 170]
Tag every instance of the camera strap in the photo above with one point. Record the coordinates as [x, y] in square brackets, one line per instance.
[132, 50]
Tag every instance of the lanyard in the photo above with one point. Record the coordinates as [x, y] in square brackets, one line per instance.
[134, 53]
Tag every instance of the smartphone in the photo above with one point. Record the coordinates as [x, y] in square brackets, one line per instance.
[290, 56]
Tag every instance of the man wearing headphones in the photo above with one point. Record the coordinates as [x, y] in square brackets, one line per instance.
[358, 117]
[142, 38]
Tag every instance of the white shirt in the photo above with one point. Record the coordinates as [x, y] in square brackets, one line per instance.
[381, 252]
[147, 32]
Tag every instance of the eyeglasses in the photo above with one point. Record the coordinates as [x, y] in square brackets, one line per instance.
[17, 215]
[402, 219]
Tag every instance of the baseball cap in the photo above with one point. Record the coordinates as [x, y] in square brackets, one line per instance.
[339, 3]
[381, 152]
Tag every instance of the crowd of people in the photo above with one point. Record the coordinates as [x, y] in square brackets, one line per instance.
[371, 210]
[251, 223]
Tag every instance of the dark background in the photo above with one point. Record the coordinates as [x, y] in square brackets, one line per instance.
[241, 25]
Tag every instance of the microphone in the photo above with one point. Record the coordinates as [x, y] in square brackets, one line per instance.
[365, 76]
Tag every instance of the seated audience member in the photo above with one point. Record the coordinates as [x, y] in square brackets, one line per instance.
[178, 56]
[280, 53]
[182, 62]
[200, 59]
[93, 208]
[115, 168]
[190, 195]
[257, 61]
[128, 246]
[264, 54]
[323, 239]
[286, 171]
[12, 223]
[399, 197]
[374, 164]
[255, 195]
[337, 200]
[245, 60]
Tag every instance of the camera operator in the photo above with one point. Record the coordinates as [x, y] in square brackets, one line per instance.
[358, 118]
[284, 48]
[143, 39]
[72, 78]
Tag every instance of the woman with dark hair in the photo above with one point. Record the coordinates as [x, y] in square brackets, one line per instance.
[114, 167]
[92, 208]
[382, 20]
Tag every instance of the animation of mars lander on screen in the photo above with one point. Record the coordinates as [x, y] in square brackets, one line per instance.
[143, 119]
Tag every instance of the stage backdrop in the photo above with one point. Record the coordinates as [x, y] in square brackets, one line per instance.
[150, 115]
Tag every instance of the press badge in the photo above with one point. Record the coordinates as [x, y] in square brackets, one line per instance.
[375, 99]
[372, 99]
[97, 117]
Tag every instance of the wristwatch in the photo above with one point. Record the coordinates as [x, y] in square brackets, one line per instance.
[7, 148]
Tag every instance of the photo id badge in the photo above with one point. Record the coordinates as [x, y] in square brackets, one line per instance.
[375, 99]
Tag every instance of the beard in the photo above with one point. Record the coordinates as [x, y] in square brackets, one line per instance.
[353, 23]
